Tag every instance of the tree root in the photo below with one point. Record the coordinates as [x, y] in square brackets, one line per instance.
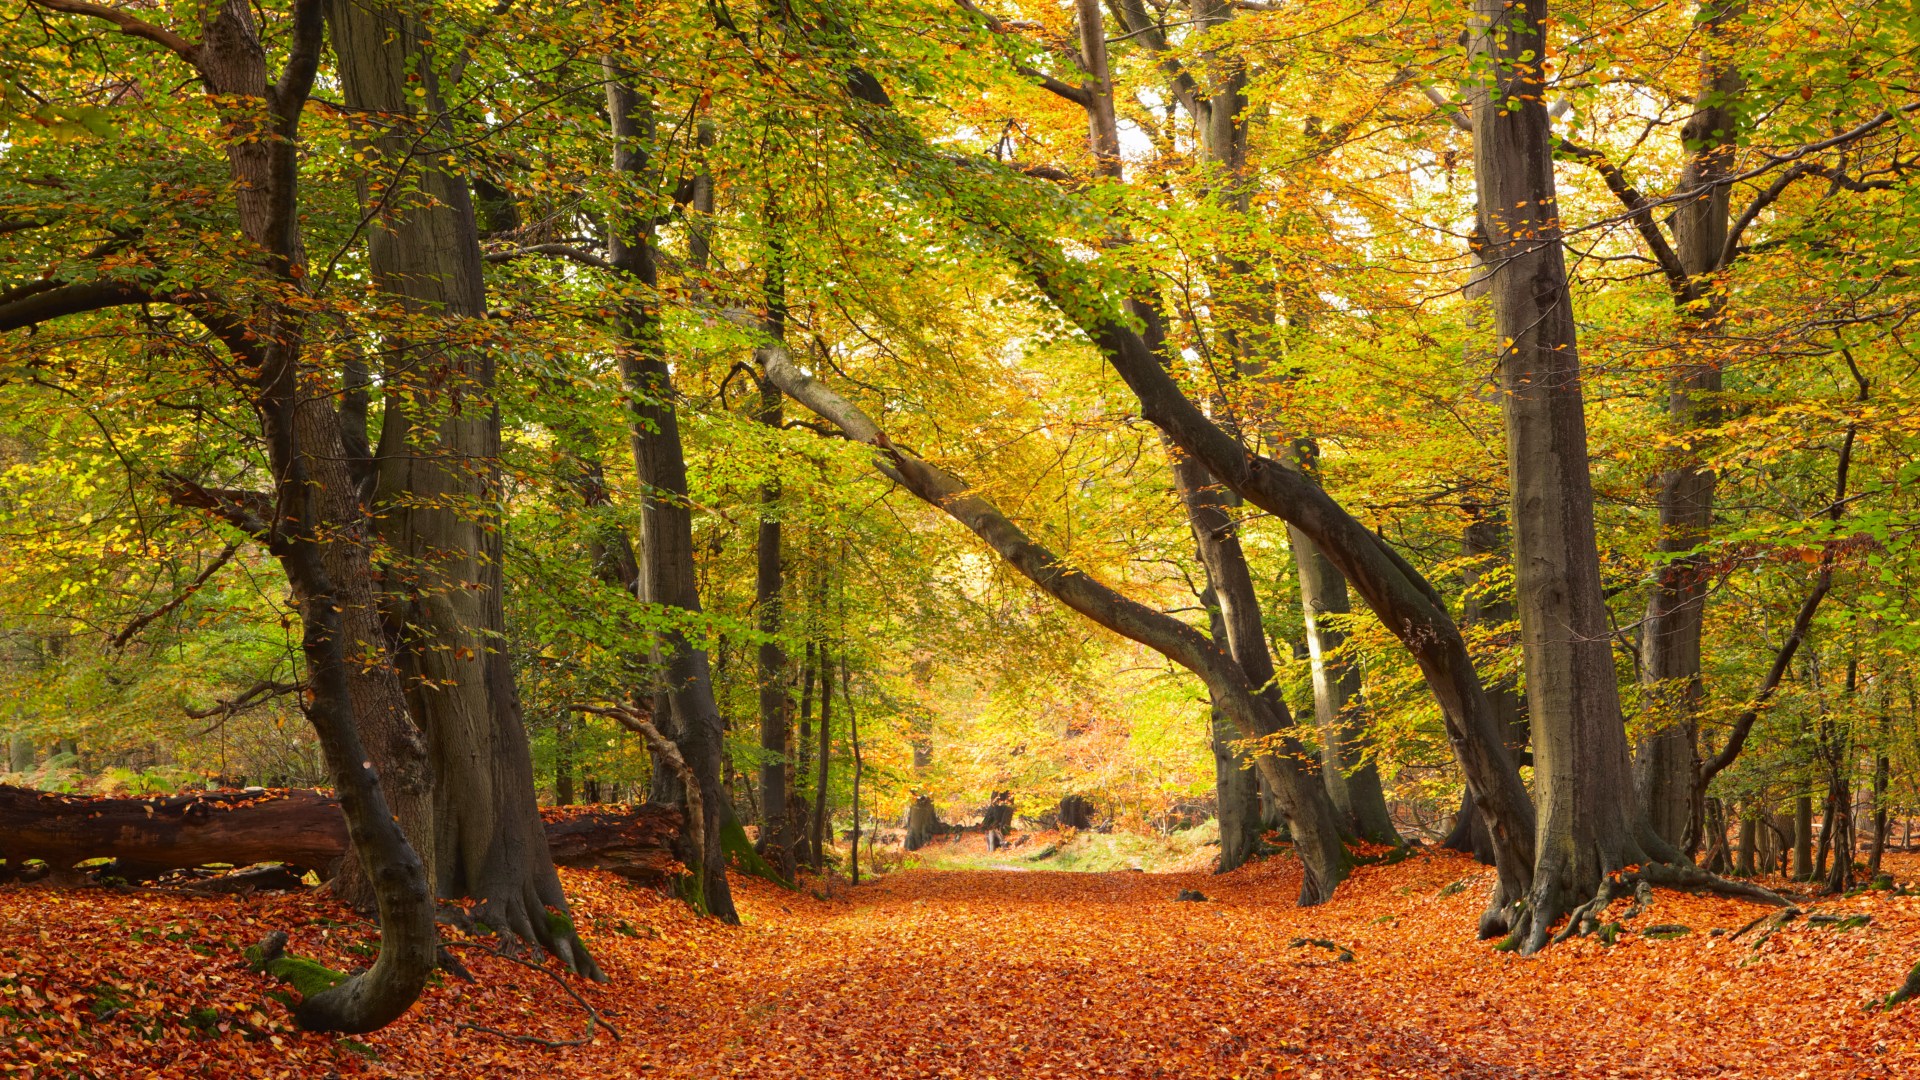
[1906, 990]
[594, 1019]
[1345, 955]
[1530, 934]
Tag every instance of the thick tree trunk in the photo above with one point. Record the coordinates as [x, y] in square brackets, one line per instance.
[1590, 823]
[1483, 544]
[1236, 798]
[316, 526]
[437, 485]
[668, 572]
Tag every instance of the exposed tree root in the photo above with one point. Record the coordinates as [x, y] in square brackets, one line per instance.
[1344, 954]
[1531, 929]
[1906, 991]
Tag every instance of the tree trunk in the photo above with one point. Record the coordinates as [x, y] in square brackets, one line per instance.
[1665, 763]
[1353, 781]
[1803, 838]
[1744, 864]
[1236, 798]
[1483, 544]
[1882, 775]
[776, 719]
[437, 485]
[822, 829]
[668, 571]
[1590, 822]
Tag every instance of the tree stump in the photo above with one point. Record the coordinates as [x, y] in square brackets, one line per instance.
[922, 824]
[1076, 812]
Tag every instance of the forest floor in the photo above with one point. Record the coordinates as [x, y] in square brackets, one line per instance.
[981, 974]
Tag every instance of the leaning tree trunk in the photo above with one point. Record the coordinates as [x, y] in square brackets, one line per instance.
[1590, 824]
[1406, 603]
[668, 571]
[1257, 715]
[437, 486]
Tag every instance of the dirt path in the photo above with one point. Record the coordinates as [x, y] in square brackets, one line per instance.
[992, 975]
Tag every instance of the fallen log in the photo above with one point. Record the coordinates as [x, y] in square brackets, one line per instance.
[148, 837]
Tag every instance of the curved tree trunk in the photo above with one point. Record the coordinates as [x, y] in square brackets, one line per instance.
[1256, 714]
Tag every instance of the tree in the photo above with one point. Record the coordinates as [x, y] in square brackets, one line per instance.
[311, 519]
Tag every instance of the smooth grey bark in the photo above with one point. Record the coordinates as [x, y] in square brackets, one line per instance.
[1666, 761]
[1483, 544]
[668, 572]
[437, 486]
[1352, 779]
[1236, 788]
[1590, 823]
[1256, 714]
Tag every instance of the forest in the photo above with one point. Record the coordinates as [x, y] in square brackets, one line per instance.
[959, 538]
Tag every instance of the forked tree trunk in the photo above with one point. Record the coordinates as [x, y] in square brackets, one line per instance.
[1590, 824]
[437, 489]
[668, 572]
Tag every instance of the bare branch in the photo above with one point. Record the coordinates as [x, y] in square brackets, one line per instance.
[558, 251]
[31, 305]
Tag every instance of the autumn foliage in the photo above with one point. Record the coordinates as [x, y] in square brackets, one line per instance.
[991, 973]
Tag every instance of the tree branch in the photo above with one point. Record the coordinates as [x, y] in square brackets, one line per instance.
[1641, 214]
[119, 640]
[44, 305]
[558, 251]
[127, 24]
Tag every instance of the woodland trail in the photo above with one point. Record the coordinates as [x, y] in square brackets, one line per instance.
[999, 975]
